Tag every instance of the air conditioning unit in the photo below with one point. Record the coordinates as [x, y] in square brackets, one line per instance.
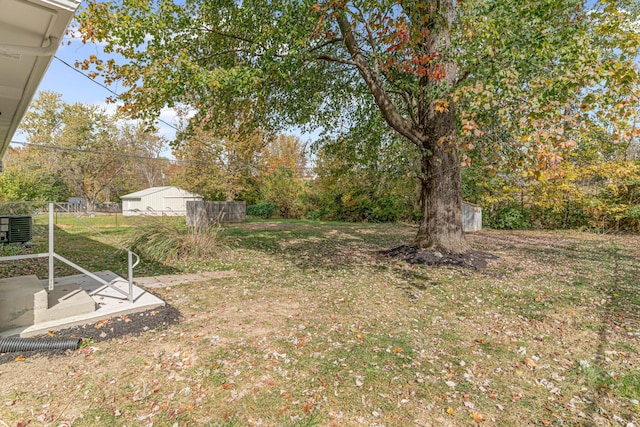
[15, 228]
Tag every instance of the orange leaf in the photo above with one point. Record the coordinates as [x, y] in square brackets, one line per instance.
[20, 358]
[360, 336]
[546, 422]
[397, 350]
[451, 411]
[51, 333]
[530, 363]
[477, 417]
[226, 386]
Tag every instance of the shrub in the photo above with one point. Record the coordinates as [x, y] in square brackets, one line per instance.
[569, 215]
[387, 209]
[262, 210]
[511, 217]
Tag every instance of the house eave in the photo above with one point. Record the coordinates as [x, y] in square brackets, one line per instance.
[30, 32]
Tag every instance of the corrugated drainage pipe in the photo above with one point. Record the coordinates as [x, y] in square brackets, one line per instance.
[9, 345]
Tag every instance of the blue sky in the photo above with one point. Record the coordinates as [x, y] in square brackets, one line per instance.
[74, 87]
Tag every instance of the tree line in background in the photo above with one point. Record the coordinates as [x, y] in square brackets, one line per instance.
[77, 150]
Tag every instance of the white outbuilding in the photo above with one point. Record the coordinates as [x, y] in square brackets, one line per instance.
[471, 217]
[158, 201]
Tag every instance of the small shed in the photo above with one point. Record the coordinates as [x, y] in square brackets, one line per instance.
[471, 217]
[158, 201]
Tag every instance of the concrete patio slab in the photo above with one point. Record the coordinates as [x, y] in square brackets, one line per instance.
[109, 303]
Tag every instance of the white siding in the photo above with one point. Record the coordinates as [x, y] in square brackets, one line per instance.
[131, 207]
[166, 201]
[471, 217]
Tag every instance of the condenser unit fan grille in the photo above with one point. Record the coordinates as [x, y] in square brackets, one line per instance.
[15, 228]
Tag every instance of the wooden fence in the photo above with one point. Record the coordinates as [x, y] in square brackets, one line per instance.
[203, 213]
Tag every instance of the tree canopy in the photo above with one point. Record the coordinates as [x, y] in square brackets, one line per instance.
[515, 84]
[85, 152]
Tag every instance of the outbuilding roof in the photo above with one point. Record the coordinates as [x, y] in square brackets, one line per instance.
[152, 190]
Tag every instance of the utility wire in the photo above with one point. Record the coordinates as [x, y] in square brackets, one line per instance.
[108, 89]
[139, 157]
[161, 121]
[133, 156]
[106, 153]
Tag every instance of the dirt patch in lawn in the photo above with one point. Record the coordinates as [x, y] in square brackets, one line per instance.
[476, 260]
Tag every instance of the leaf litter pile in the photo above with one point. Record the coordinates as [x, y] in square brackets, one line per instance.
[317, 328]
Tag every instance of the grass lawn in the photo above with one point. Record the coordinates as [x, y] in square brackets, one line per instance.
[315, 328]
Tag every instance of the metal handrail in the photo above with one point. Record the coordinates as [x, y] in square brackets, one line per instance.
[53, 256]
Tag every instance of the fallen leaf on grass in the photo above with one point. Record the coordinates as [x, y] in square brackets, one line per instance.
[283, 410]
[23, 423]
[175, 412]
[451, 411]
[546, 422]
[477, 417]
[226, 386]
[530, 363]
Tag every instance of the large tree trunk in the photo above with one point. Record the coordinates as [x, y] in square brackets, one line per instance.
[440, 227]
[433, 128]
[441, 188]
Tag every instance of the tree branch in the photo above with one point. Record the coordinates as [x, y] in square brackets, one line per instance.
[374, 82]
[225, 52]
[409, 104]
[327, 43]
[334, 59]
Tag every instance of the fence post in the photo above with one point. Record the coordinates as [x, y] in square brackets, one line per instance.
[51, 247]
[130, 271]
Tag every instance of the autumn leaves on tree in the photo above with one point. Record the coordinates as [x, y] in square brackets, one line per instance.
[508, 84]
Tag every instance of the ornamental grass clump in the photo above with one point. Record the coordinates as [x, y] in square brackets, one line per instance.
[168, 241]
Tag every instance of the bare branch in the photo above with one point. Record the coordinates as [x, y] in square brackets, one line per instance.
[408, 103]
[325, 44]
[337, 60]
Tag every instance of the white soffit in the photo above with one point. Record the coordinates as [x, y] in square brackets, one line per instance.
[30, 32]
